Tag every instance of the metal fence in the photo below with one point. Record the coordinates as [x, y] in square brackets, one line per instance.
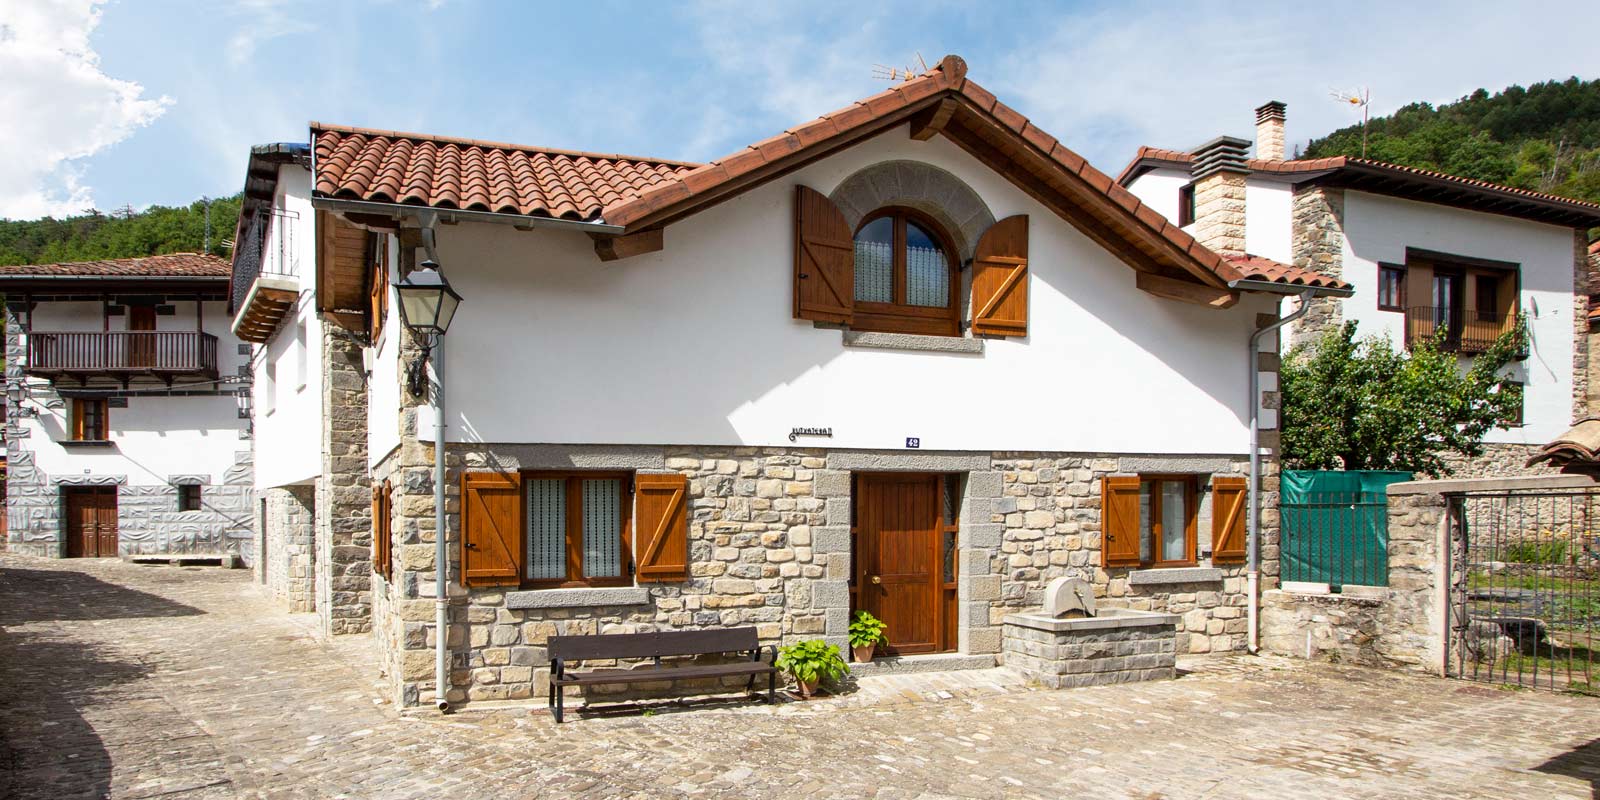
[1524, 587]
[1336, 526]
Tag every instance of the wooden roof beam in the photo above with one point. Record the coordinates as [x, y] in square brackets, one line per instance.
[613, 248]
[926, 123]
[1184, 291]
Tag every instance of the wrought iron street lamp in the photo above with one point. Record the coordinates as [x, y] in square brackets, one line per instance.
[427, 304]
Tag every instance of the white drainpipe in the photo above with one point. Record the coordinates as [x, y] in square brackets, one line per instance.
[441, 555]
[1253, 576]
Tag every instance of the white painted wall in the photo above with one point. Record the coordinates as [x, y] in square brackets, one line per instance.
[696, 344]
[383, 382]
[1158, 189]
[154, 438]
[288, 414]
[1269, 220]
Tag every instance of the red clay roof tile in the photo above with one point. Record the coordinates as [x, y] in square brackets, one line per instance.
[172, 265]
[1256, 268]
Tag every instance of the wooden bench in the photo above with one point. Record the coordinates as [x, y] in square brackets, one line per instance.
[656, 646]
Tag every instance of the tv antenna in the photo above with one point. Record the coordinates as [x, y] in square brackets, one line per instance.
[887, 73]
[1361, 98]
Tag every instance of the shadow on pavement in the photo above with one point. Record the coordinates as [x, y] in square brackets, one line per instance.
[1581, 762]
[41, 595]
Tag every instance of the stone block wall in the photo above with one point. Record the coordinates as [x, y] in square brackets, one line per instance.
[1317, 243]
[770, 547]
[285, 557]
[344, 492]
[1072, 659]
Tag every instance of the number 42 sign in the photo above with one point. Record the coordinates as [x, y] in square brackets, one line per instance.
[913, 442]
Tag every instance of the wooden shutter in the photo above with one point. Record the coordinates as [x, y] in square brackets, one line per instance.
[491, 528]
[661, 519]
[1000, 279]
[378, 287]
[381, 547]
[824, 260]
[1228, 498]
[1119, 521]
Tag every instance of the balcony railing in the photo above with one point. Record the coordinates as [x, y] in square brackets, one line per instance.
[122, 353]
[1460, 330]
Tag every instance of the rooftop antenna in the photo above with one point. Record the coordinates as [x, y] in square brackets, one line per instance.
[1362, 98]
[887, 73]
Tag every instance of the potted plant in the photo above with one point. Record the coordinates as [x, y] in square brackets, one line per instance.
[810, 662]
[866, 633]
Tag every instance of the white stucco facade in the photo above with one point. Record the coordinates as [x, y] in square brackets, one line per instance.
[288, 370]
[697, 344]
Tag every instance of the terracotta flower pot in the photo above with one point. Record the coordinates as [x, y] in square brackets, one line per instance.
[807, 688]
[863, 654]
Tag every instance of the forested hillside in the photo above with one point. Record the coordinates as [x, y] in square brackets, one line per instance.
[1545, 137]
[118, 234]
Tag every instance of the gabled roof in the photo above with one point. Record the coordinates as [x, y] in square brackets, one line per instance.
[645, 195]
[1399, 181]
[471, 175]
[173, 265]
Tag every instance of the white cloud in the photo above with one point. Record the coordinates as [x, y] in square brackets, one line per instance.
[57, 106]
[265, 20]
[1176, 76]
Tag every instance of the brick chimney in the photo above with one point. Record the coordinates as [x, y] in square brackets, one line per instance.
[1269, 131]
[1220, 167]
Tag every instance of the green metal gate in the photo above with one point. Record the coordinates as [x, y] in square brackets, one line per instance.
[1336, 526]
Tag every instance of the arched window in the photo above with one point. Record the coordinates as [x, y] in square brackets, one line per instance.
[905, 275]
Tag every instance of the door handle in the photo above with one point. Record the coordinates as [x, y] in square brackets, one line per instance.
[876, 580]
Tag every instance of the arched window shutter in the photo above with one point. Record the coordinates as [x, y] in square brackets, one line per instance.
[491, 528]
[824, 260]
[1000, 279]
[1119, 521]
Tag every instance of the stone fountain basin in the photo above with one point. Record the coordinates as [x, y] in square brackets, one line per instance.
[1117, 645]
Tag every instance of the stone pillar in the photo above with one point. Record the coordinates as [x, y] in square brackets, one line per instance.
[1318, 245]
[1220, 167]
[344, 490]
[33, 503]
[1269, 131]
[288, 563]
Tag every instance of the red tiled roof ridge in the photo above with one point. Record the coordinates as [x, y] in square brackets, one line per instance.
[186, 265]
[1254, 267]
[318, 127]
[1286, 166]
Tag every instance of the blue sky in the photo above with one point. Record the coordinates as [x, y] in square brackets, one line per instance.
[157, 101]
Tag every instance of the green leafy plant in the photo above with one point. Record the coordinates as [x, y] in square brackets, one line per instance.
[811, 660]
[867, 630]
[1351, 404]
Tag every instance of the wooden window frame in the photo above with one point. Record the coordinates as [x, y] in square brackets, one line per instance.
[1191, 522]
[79, 429]
[1186, 205]
[1400, 271]
[574, 529]
[189, 497]
[1493, 281]
[900, 316]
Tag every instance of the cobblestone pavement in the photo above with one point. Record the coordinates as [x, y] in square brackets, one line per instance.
[139, 682]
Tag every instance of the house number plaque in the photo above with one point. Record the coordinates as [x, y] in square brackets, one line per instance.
[796, 433]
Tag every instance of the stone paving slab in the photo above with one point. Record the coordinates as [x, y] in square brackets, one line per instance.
[127, 681]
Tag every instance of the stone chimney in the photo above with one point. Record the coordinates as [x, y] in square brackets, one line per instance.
[1220, 167]
[1269, 131]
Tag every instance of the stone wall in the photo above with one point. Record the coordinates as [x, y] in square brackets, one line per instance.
[344, 494]
[1219, 212]
[1497, 461]
[148, 519]
[1317, 243]
[770, 547]
[285, 560]
[1399, 625]
[1580, 325]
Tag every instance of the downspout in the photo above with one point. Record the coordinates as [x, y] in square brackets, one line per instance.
[441, 554]
[1253, 528]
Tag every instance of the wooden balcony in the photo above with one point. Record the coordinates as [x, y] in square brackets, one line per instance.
[1461, 331]
[122, 354]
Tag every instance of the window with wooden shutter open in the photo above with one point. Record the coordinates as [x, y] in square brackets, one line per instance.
[491, 528]
[380, 529]
[1119, 521]
[1000, 279]
[1228, 498]
[661, 525]
[824, 260]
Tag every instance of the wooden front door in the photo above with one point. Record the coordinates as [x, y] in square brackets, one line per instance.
[91, 513]
[142, 346]
[899, 563]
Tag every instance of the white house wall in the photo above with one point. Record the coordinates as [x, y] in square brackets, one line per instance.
[383, 382]
[696, 344]
[1269, 220]
[1158, 189]
[1379, 228]
[288, 412]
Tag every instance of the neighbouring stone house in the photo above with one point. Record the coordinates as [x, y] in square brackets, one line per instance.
[124, 433]
[1424, 251]
[915, 357]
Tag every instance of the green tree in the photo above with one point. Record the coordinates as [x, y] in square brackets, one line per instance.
[1361, 404]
